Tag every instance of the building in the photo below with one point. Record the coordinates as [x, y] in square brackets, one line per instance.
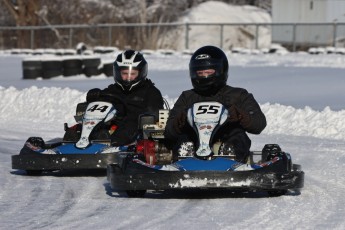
[331, 12]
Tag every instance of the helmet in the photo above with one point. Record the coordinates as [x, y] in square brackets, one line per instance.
[209, 57]
[130, 59]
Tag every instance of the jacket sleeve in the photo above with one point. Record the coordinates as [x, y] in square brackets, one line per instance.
[154, 101]
[252, 108]
[179, 106]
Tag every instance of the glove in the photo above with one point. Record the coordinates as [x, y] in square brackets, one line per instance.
[239, 115]
[180, 122]
[93, 95]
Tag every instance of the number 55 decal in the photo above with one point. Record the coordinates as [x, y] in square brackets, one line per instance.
[207, 109]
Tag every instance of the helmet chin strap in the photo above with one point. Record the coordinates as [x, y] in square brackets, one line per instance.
[127, 87]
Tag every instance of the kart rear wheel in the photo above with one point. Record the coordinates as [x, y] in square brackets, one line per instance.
[135, 193]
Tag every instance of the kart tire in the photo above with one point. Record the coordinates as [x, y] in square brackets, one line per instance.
[36, 141]
[136, 193]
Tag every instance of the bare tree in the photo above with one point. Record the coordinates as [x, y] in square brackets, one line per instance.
[24, 14]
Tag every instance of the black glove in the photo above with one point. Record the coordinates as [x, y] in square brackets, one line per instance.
[180, 122]
[93, 95]
[239, 115]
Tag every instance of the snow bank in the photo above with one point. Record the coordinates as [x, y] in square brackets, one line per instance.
[38, 104]
[233, 36]
[57, 105]
[304, 122]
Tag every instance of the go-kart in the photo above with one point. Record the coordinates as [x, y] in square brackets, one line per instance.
[151, 165]
[84, 146]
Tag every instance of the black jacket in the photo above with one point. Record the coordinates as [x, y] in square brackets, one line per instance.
[143, 98]
[228, 96]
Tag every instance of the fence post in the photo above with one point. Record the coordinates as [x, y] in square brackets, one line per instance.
[294, 37]
[32, 38]
[221, 35]
[335, 26]
[187, 36]
[70, 37]
[109, 35]
[256, 36]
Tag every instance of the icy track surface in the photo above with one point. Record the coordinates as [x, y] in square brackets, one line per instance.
[308, 124]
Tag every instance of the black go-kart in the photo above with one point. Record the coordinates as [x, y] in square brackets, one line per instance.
[152, 166]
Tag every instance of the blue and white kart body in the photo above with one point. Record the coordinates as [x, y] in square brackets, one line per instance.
[37, 156]
[269, 170]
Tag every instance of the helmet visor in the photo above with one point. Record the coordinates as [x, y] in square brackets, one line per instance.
[129, 74]
[206, 70]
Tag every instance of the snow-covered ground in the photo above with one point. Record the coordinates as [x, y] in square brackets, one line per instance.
[302, 96]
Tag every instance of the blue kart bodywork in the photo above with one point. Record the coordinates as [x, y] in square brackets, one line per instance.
[60, 155]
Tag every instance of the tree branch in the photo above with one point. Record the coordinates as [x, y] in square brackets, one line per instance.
[11, 8]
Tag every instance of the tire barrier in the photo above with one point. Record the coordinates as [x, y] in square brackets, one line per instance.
[92, 66]
[108, 69]
[51, 68]
[73, 66]
[32, 69]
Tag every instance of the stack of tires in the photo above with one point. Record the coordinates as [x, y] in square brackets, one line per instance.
[32, 68]
[92, 66]
[108, 68]
[72, 66]
[51, 67]
[47, 67]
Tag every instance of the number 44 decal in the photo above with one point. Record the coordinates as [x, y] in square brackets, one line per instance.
[96, 107]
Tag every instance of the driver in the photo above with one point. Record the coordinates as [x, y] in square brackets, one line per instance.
[136, 91]
[208, 69]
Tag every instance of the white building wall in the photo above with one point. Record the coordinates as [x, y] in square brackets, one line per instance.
[308, 11]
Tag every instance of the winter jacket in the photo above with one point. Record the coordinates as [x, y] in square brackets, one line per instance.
[228, 96]
[143, 98]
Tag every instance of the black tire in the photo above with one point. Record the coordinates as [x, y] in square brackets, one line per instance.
[91, 71]
[36, 141]
[270, 150]
[91, 66]
[72, 67]
[108, 69]
[296, 167]
[136, 193]
[52, 68]
[91, 62]
[32, 69]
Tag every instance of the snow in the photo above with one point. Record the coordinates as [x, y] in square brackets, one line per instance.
[301, 95]
[232, 36]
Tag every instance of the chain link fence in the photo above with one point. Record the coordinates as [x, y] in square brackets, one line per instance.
[294, 36]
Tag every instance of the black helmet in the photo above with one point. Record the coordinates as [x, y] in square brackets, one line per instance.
[130, 59]
[209, 57]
